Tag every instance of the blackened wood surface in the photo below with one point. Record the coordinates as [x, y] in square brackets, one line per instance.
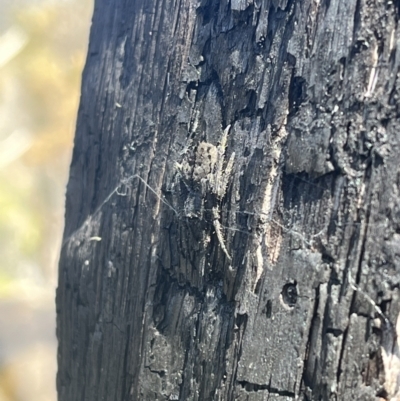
[153, 303]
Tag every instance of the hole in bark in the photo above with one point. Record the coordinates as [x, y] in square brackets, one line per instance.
[289, 294]
[297, 94]
[241, 320]
[209, 11]
[268, 309]
[291, 59]
[258, 286]
[327, 258]
[335, 332]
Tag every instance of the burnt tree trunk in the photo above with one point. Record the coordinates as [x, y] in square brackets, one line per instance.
[233, 209]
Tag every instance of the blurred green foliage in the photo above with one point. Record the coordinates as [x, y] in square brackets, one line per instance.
[42, 52]
[43, 46]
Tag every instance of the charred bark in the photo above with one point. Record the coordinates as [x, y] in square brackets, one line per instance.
[233, 216]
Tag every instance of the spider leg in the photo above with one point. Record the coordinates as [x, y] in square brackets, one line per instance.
[218, 231]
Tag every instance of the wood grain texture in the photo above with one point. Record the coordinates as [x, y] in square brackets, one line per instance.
[149, 305]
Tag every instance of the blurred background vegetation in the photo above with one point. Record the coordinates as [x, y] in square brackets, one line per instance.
[43, 47]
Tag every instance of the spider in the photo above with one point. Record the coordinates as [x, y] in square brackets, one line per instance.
[211, 175]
